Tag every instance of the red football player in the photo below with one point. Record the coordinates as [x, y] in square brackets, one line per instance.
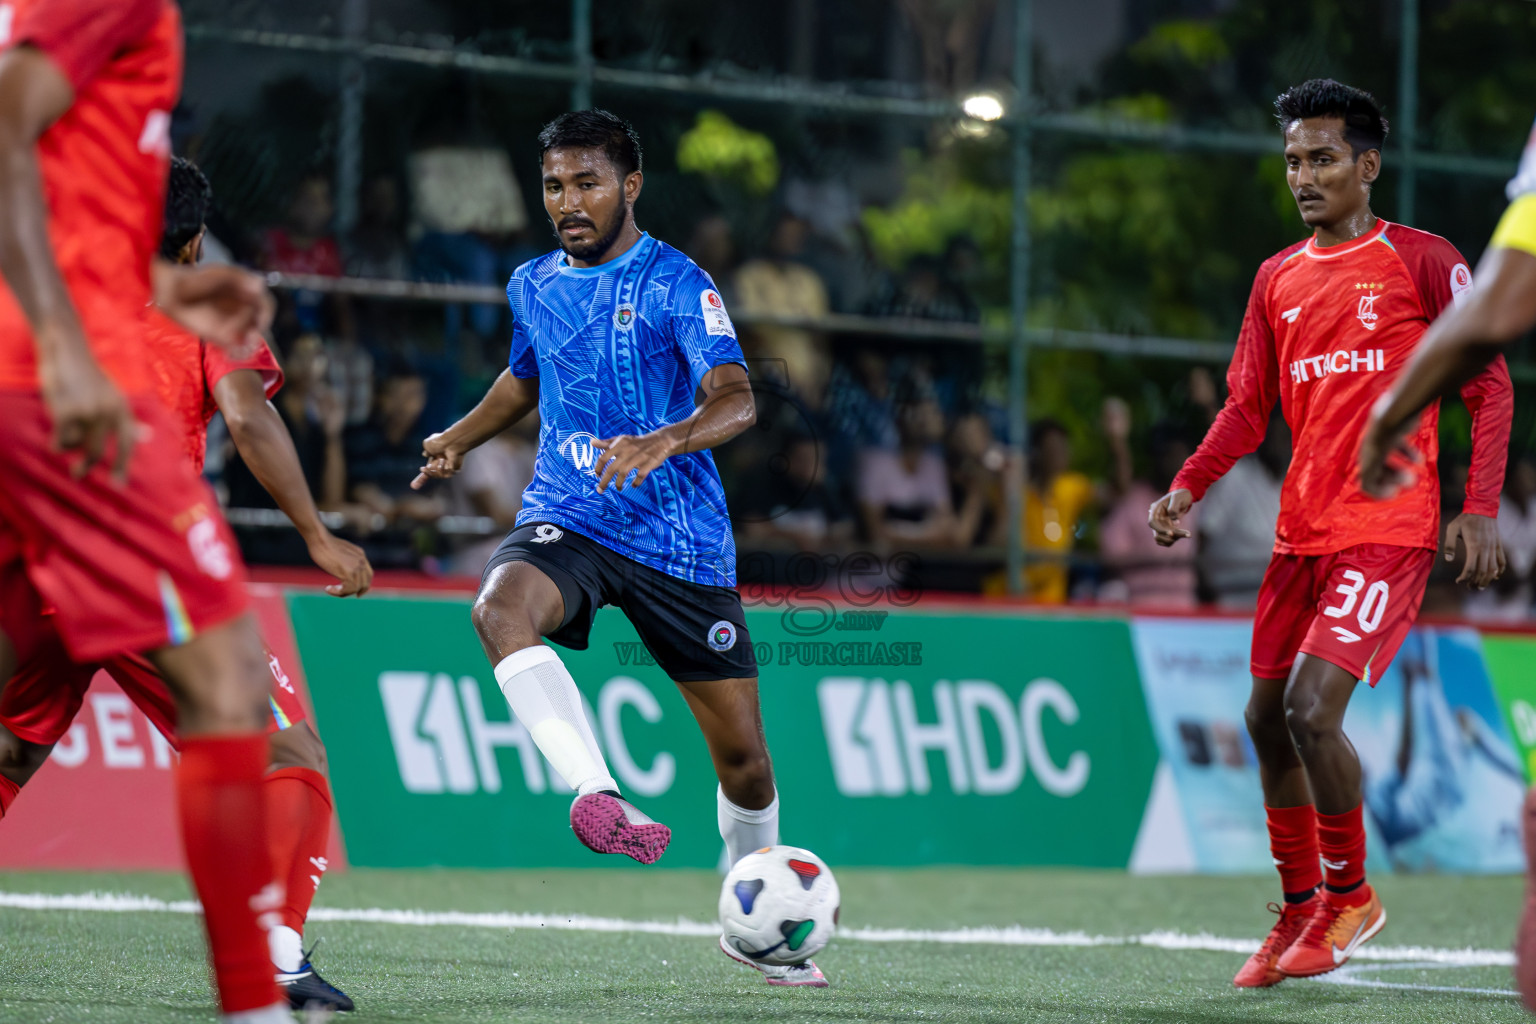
[1330, 323]
[41, 700]
[101, 519]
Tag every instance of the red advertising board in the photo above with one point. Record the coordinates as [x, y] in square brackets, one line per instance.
[104, 801]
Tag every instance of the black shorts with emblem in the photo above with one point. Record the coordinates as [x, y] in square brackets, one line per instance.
[694, 631]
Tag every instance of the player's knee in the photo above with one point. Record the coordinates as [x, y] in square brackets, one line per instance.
[501, 623]
[1266, 723]
[746, 775]
[1306, 718]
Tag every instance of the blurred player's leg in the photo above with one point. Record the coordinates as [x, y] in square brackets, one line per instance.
[299, 801]
[1350, 913]
[219, 679]
[1292, 823]
[298, 806]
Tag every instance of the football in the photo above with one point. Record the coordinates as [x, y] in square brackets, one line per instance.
[779, 905]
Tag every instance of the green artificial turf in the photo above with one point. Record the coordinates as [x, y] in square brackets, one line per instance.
[71, 966]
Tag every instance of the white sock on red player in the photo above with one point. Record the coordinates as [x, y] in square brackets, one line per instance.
[287, 948]
[544, 698]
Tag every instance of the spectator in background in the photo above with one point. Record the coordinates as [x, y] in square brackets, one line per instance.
[976, 464]
[925, 293]
[713, 248]
[469, 216]
[1054, 502]
[1237, 521]
[779, 284]
[303, 244]
[1509, 598]
[903, 495]
[1144, 572]
[384, 454]
[376, 246]
[793, 503]
[491, 485]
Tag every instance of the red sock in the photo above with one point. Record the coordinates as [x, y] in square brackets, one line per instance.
[299, 804]
[223, 827]
[8, 791]
[1293, 843]
[1341, 839]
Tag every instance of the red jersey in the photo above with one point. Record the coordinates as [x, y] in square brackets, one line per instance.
[104, 166]
[280, 254]
[185, 370]
[1326, 332]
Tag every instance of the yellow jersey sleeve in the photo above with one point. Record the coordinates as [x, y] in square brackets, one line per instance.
[1517, 228]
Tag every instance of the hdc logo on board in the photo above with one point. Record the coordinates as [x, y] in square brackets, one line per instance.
[445, 742]
[880, 747]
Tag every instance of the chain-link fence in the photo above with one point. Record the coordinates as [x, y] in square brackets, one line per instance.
[934, 221]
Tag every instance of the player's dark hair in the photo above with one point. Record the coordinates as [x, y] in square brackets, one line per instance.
[595, 129]
[187, 199]
[1364, 125]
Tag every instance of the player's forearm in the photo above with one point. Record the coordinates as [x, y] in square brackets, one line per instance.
[508, 400]
[268, 451]
[724, 414]
[1238, 431]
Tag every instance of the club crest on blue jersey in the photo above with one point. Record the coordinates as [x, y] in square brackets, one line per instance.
[624, 316]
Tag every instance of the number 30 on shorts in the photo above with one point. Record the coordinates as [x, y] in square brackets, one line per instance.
[1372, 606]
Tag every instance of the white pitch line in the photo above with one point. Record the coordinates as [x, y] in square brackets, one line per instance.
[1014, 935]
[1349, 976]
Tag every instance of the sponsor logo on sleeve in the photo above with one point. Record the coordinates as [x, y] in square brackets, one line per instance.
[1461, 283]
[716, 319]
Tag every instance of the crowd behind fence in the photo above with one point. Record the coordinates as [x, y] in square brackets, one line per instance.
[866, 239]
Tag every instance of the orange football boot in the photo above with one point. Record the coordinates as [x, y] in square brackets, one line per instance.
[1332, 936]
[1260, 970]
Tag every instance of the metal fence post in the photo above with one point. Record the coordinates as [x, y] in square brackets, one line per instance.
[581, 48]
[1406, 122]
[349, 143]
[1018, 349]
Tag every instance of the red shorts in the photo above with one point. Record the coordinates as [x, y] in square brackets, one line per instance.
[126, 568]
[41, 700]
[1352, 608]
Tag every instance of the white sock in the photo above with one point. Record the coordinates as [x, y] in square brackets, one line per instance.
[277, 1013]
[744, 830]
[287, 948]
[544, 698]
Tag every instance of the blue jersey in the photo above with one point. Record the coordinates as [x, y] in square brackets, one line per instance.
[621, 349]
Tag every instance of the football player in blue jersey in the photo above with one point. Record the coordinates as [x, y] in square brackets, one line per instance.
[625, 347]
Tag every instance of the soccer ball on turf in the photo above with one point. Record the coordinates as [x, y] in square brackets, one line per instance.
[779, 905]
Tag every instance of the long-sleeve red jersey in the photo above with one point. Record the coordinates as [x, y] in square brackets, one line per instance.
[1326, 332]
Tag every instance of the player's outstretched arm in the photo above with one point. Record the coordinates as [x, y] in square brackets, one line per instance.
[725, 409]
[265, 445]
[510, 399]
[1499, 311]
[88, 410]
